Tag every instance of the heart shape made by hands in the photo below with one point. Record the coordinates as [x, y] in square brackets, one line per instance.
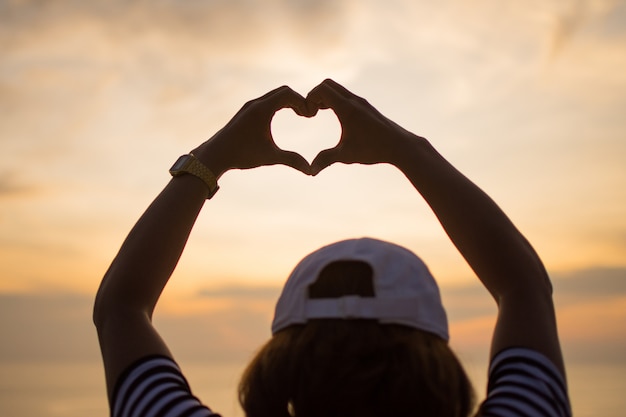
[306, 136]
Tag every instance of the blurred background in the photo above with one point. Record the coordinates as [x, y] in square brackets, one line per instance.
[98, 99]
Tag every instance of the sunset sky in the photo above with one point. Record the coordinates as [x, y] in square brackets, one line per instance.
[99, 98]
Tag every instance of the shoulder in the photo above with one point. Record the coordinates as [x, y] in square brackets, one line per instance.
[155, 385]
[523, 382]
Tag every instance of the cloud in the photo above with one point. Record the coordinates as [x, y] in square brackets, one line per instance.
[11, 186]
[592, 283]
[589, 285]
[467, 302]
[47, 327]
[595, 18]
[225, 28]
[591, 307]
[112, 89]
[79, 76]
[241, 292]
[567, 23]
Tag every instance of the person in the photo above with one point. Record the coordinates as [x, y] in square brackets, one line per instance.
[359, 328]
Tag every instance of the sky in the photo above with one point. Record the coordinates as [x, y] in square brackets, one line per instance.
[99, 98]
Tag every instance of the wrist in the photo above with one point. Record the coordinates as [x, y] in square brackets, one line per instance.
[190, 165]
[211, 155]
[192, 186]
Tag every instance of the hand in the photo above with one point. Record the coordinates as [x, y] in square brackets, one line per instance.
[367, 137]
[246, 141]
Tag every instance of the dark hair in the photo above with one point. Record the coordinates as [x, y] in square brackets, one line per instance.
[335, 367]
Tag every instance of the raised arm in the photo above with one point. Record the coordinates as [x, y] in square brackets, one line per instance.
[134, 281]
[497, 252]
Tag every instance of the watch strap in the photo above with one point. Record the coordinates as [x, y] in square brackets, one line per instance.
[189, 164]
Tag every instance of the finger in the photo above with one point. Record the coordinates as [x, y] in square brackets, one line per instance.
[324, 96]
[339, 88]
[324, 159]
[293, 160]
[272, 93]
[311, 109]
[285, 97]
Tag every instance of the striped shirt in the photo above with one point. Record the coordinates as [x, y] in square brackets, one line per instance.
[155, 387]
[522, 383]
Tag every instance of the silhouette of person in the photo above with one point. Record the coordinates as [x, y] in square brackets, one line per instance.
[359, 329]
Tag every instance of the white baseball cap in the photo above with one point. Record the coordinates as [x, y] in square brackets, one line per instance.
[405, 292]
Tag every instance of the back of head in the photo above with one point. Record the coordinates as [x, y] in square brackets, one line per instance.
[354, 367]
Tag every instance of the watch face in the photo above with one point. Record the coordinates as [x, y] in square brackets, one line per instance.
[180, 163]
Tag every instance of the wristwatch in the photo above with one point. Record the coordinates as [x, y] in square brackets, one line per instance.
[189, 164]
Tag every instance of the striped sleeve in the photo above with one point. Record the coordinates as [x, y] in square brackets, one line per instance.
[155, 387]
[524, 383]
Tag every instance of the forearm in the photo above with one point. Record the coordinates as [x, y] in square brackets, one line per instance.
[147, 258]
[497, 252]
[152, 249]
[494, 248]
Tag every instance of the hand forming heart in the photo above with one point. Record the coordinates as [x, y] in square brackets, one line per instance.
[306, 136]
[367, 137]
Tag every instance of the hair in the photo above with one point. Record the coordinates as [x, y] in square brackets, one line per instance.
[356, 367]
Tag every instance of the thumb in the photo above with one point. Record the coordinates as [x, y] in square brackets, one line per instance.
[293, 160]
[324, 159]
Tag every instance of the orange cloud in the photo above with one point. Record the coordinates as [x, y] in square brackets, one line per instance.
[596, 321]
[472, 334]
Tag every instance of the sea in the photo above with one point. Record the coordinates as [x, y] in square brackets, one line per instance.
[76, 389]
